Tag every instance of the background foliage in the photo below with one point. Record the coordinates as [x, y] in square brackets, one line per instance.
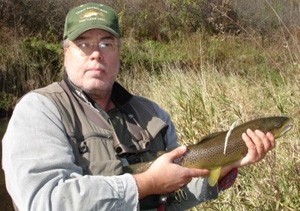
[155, 34]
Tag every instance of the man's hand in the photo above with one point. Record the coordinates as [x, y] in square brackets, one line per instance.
[258, 143]
[164, 176]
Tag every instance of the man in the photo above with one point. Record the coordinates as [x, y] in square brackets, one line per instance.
[68, 144]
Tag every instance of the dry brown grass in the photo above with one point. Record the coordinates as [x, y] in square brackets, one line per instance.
[201, 102]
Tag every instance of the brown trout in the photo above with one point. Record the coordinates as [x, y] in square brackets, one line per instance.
[209, 152]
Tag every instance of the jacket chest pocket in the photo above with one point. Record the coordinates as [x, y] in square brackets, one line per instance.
[97, 155]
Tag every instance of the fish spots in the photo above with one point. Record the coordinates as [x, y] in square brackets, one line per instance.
[209, 152]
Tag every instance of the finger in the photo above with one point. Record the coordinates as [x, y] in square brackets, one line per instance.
[260, 148]
[194, 172]
[250, 145]
[271, 139]
[264, 140]
[251, 154]
[176, 153]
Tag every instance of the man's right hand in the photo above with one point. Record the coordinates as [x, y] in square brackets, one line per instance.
[164, 176]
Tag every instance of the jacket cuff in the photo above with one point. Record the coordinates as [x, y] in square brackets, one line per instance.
[228, 180]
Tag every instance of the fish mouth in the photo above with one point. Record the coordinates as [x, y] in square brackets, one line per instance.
[286, 129]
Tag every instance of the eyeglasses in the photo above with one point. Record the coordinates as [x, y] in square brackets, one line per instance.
[104, 46]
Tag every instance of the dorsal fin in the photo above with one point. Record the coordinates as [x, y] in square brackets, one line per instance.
[210, 136]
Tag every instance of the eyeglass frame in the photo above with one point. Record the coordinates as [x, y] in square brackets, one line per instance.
[91, 46]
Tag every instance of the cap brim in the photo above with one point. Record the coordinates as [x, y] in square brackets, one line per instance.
[79, 30]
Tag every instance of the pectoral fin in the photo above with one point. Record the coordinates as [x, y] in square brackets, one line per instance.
[214, 176]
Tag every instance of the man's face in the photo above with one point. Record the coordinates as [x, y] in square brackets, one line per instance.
[91, 66]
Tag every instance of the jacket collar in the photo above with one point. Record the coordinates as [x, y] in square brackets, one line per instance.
[120, 96]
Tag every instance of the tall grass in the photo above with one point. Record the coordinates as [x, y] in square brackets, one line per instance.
[209, 97]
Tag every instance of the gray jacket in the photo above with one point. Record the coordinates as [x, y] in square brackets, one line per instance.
[42, 172]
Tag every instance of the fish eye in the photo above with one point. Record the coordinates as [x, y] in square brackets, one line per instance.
[278, 125]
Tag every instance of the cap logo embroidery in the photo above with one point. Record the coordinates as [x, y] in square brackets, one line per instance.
[91, 14]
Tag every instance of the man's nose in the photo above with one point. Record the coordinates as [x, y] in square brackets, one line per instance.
[96, 53]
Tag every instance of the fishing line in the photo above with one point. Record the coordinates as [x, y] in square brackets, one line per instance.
[228, 135]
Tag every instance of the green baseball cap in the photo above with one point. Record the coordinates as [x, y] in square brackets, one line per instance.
[90, 16]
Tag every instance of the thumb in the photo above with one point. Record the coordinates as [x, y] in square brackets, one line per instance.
[177, 153]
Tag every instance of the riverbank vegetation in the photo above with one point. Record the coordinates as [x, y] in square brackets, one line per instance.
[209, 100]
[232, 36]
[208, 63]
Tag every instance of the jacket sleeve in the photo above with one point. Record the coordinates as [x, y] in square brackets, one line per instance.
[39, 165]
